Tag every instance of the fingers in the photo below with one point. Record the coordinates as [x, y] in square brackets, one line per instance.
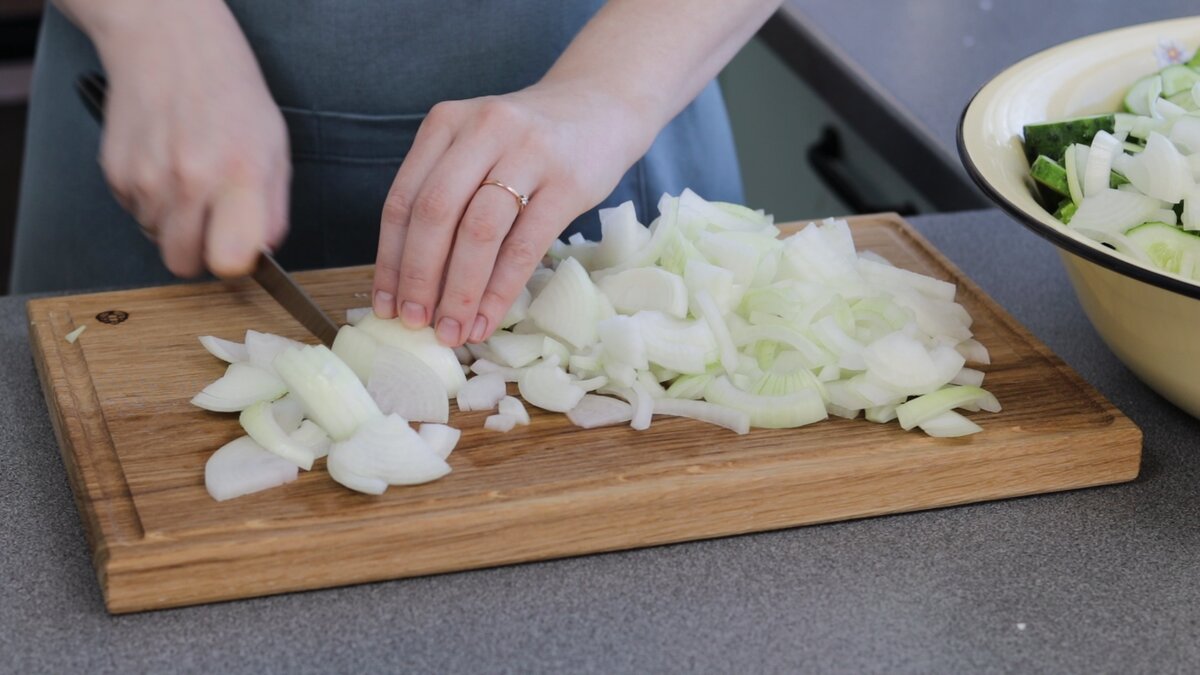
[237, 230]
[436, 212]
[484, 225]
[433, 138]
[180, 237]
[536, 227]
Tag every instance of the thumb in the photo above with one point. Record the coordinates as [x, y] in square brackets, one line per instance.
[238, 222]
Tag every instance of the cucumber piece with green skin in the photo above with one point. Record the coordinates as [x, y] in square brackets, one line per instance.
[1051, 174]
[1194, 62]
[1065, 210]
[1168, 247]
[1053, 138]
[1137, 100]
[1177, 78]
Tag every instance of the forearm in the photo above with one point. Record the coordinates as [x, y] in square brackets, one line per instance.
[655, 57]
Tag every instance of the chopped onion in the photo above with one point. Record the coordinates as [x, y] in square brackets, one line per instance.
[707, 309]
[924, 408]
[384, 451]
[482, 392]
[646, 288]
[549, 387]
[402, 384]
[500, 422]
[685, 346]
[622, 236]
[599, 411]
[440, 438]
[75, 333]
[968, 376]
[518, 310]
[262, 348]
[512, 406]
[485, 367]
[241, 386]
[735, 420]
[771, 412]
[242, 467]
[949, 424]
[226, 350]
[357, 348]
[332, 394]
[516, 351]
[357, 314]
[422, 344]
[568, 307]
[261, 424]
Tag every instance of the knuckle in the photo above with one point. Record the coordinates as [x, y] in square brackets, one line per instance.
[396, 209]
[456, 299]
[522, 252]
[498, 112]
[145, 180]
[414, 279]
[480, 229]
[432, 205]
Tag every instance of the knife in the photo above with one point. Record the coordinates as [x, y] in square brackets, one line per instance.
[93, 89]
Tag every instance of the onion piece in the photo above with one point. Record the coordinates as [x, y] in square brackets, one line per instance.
[332, 394]
[260, 424]
[518, 310]
[949, 424]
[242, 467]
[356, 314]
[422, 344]
[440, 438]
[357, 348]
[262, 348]
[482, 392]
[77, 331]
[736, 421]
[772, 412]
[314, 437]
[500, 422]
[707, 309]
[685, 346]
[486, 367]
[401, 384]
[226, 350]
[646, 288]
[923, 408]
[288, 412]
[599, 411]
[974, 352]
[512, 406]
[621, 236]
[384, 451]
[568, 307]
[549, 387]
[969, 376]
[241, 386]
[515, 351]
[643, 407]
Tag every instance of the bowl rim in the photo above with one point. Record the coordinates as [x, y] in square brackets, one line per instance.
[1047, 232]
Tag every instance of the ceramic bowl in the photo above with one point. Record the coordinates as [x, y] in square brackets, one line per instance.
[1149, 318]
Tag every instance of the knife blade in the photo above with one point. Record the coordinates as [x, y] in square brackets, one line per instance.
[92, 88]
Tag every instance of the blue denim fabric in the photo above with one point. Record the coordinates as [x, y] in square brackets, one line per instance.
[354, 81]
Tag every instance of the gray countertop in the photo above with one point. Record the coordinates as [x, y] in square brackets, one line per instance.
[908, 68]
[1094, 580]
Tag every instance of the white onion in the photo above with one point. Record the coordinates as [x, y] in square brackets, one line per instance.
[226, 350]
[241, 386]
[482, 392]
[402, 384]
[242, 467]
[440, 438]
[722, 416]
[599, 411]
[512, 406]
[384, 451]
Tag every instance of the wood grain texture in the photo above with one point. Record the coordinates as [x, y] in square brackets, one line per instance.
[134, 449]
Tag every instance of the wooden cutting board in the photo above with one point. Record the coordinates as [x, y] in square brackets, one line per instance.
[135, 451]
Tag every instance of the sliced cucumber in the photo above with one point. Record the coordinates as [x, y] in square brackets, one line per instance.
[1145, 90]
[1051, 174]
[1184, 99]
[1177, 78]
[1052, 138]
[1168, 247]
[1065, 210]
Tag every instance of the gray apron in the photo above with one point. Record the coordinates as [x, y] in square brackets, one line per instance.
[354, 81]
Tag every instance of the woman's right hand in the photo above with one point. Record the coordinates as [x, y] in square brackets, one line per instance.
[194, 146]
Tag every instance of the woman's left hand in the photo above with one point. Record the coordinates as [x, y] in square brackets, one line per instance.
[455, 253]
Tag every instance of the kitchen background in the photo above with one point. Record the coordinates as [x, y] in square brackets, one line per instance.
[799, 159]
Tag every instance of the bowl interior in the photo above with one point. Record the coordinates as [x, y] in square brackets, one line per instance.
[1086, 76]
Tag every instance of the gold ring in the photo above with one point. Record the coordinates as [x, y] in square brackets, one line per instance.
[522, 200]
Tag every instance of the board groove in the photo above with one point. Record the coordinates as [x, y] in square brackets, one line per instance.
[134, 451]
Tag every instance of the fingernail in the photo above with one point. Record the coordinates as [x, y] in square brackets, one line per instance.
[479, 329]
[412, 314]
[448, 331]
[384, 305]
